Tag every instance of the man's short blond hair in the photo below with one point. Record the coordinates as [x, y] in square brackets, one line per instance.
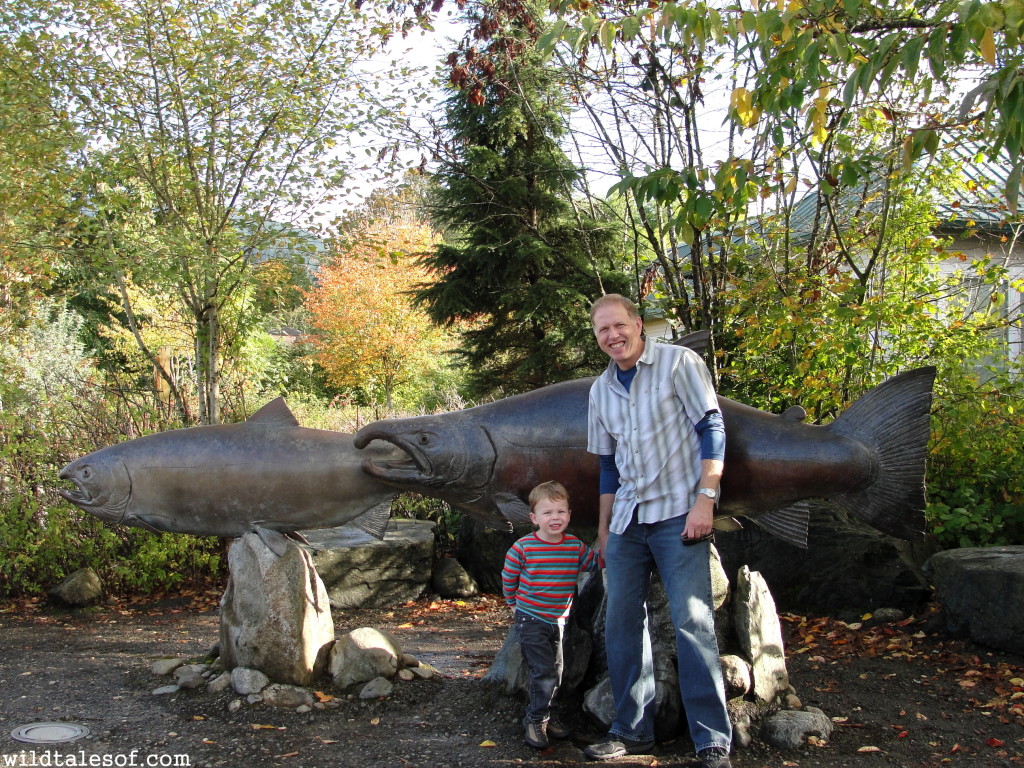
[614, 298]
[549, 491]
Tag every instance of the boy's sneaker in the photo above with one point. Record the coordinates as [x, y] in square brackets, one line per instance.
[714, 757]
[617, 746]
[558, 730]
[536, 734]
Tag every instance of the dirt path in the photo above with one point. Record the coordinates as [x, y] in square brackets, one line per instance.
[903, 698]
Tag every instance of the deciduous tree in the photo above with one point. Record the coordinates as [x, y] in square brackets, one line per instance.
[367, 333]
[230, 121]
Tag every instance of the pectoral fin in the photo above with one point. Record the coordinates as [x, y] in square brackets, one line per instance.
[143, 522]
[725, 523]
[275, 541]
[375, 521]
[512, 508]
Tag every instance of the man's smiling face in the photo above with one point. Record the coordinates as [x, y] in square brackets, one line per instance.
[618, 334]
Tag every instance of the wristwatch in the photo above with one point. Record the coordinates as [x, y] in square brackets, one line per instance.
[711, 493]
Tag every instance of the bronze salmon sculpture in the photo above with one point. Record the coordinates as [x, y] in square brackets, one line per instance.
[266, 475]
[484, 460]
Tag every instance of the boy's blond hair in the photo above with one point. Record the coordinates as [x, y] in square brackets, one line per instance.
[550, 491]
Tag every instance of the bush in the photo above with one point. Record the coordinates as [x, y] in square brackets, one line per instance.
[975, 487]
[52, 410]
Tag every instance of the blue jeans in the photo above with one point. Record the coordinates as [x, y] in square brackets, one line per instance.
[541, 644]
[630, 561]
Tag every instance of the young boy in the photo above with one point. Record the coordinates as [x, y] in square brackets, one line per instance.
[539, 580]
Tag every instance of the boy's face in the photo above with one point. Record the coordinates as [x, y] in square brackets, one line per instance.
[551, 517]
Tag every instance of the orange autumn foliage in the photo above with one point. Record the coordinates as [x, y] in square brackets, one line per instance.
[367, 332]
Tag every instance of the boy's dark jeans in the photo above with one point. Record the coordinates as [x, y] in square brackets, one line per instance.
[541, 643]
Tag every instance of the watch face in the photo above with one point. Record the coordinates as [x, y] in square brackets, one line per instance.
[709, 492]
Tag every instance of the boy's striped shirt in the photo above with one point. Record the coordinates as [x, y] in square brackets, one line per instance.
[539, 578]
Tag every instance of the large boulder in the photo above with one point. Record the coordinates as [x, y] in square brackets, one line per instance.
[362, 571]
[274, 615]
[981, 592]
[848, 568]
[80, 588]
[760, 635]
[364, 654]
[482, 549]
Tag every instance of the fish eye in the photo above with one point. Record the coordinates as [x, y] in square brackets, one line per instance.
[424, 438]
[86, 473]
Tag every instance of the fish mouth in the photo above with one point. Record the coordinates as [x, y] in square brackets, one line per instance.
[79, 495]
[414, 468]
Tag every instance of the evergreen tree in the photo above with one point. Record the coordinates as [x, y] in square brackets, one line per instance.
[521, 261]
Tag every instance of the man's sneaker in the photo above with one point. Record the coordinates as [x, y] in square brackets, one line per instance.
[558, 730]
[617, 746]
[714, 757]
[536, 734]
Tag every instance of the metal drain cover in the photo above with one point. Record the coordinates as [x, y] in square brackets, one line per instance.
[49, 733]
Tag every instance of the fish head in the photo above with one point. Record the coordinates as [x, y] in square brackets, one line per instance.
[103, 486]
[446, 456]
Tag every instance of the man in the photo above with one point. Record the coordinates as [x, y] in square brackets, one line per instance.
[655, 425]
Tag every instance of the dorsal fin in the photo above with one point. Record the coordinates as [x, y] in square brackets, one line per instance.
[795, 413]
[276, 413]
[697, 341]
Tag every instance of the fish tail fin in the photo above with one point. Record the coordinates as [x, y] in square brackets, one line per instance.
[894, 420]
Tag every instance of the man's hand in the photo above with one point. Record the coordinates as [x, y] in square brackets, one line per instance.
[700, 519]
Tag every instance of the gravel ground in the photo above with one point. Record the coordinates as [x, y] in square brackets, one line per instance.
[898, 696]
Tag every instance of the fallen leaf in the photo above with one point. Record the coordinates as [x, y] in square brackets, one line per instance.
[487, 743]
[869, 749]
[955, 749]
[994, 742]
[322, 697]
[258, 727]
[288, 754]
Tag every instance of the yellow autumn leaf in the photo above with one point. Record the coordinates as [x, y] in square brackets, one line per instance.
[487, 743]
[988, 47]
[869, 749]
[742, 102]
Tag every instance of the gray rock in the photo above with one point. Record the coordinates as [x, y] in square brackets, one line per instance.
[245, 681]
[359, 570]
[450, 579]
[981, 591]
[286, 696]
[789, 730]
[275, 615]
[760, 635]
[164, 690]
[737, 674]
[80, 588]
[362, 655]
[887, 616]
[189, 678]
[165, 666]
[221, 683]
[234, 705]
[599, 704]
[378, 688]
